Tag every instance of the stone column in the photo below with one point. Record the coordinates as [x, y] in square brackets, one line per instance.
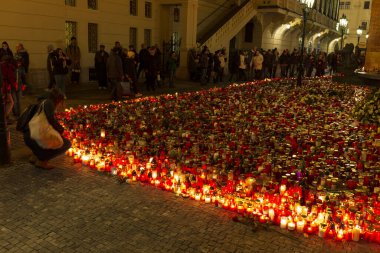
[189, 14]
[372, 59]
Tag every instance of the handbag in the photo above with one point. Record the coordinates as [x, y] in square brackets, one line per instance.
[25, 117]
[42, 132]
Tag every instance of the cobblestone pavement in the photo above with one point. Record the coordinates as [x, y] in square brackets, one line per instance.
[74, 209]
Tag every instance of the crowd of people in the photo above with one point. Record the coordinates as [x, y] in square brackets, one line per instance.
[126, 65]
[257, 64]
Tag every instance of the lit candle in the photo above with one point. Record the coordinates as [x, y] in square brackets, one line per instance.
[322, 230]
[131, 159]
[271, 214]
[197, 196]
[85, 160]
[70, 152]
[102, 133]
[340, 235]
[284, 222]
[291, 226]
[356, 233]
[300, 225]
[207, 198]
[154, 173]
[240, 207]
[282, 189]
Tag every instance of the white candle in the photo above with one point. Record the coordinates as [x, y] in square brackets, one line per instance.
[300, 225]
[291, 226]
[207, 198]
[102, 133]
[271, 214]
[284, 222]
[356, 233]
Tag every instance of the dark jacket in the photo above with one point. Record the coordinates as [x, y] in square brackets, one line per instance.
[152, 65]
[60, 66]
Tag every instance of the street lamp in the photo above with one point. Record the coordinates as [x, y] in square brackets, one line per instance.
[343, 22]
[306, 7]
[359, 32]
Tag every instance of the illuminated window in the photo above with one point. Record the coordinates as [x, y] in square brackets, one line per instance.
[92, 37]
[148, 9]
[133, 7]
[70, 31]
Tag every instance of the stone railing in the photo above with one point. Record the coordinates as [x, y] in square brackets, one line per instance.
[224, 34]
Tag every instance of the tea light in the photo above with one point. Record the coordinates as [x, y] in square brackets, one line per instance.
[85, 160]
[197, 196]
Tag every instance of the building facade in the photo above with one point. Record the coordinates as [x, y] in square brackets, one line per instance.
[170, 24]
[358, 14]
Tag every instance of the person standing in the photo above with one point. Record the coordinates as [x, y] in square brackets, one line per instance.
[5, 50]
[258, 60]
[22, 62]
[152, 69]
[8, 83]
[171, 67]
[49, 66]
[101, 58]
[73, 52]
[203, 65]
[60, 69]
[115, 73]
[130, 71]
[243, 65]
[143, 55]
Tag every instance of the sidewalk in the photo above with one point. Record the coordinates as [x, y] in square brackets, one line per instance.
[74, 209]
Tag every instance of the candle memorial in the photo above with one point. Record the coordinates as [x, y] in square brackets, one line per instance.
[296, 157]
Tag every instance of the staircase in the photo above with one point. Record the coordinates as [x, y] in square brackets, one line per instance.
[222, 32]
[216, 19]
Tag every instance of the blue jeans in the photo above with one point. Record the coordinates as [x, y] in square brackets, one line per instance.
[60, 80]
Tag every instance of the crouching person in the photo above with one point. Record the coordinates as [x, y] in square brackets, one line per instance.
[43, 133]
